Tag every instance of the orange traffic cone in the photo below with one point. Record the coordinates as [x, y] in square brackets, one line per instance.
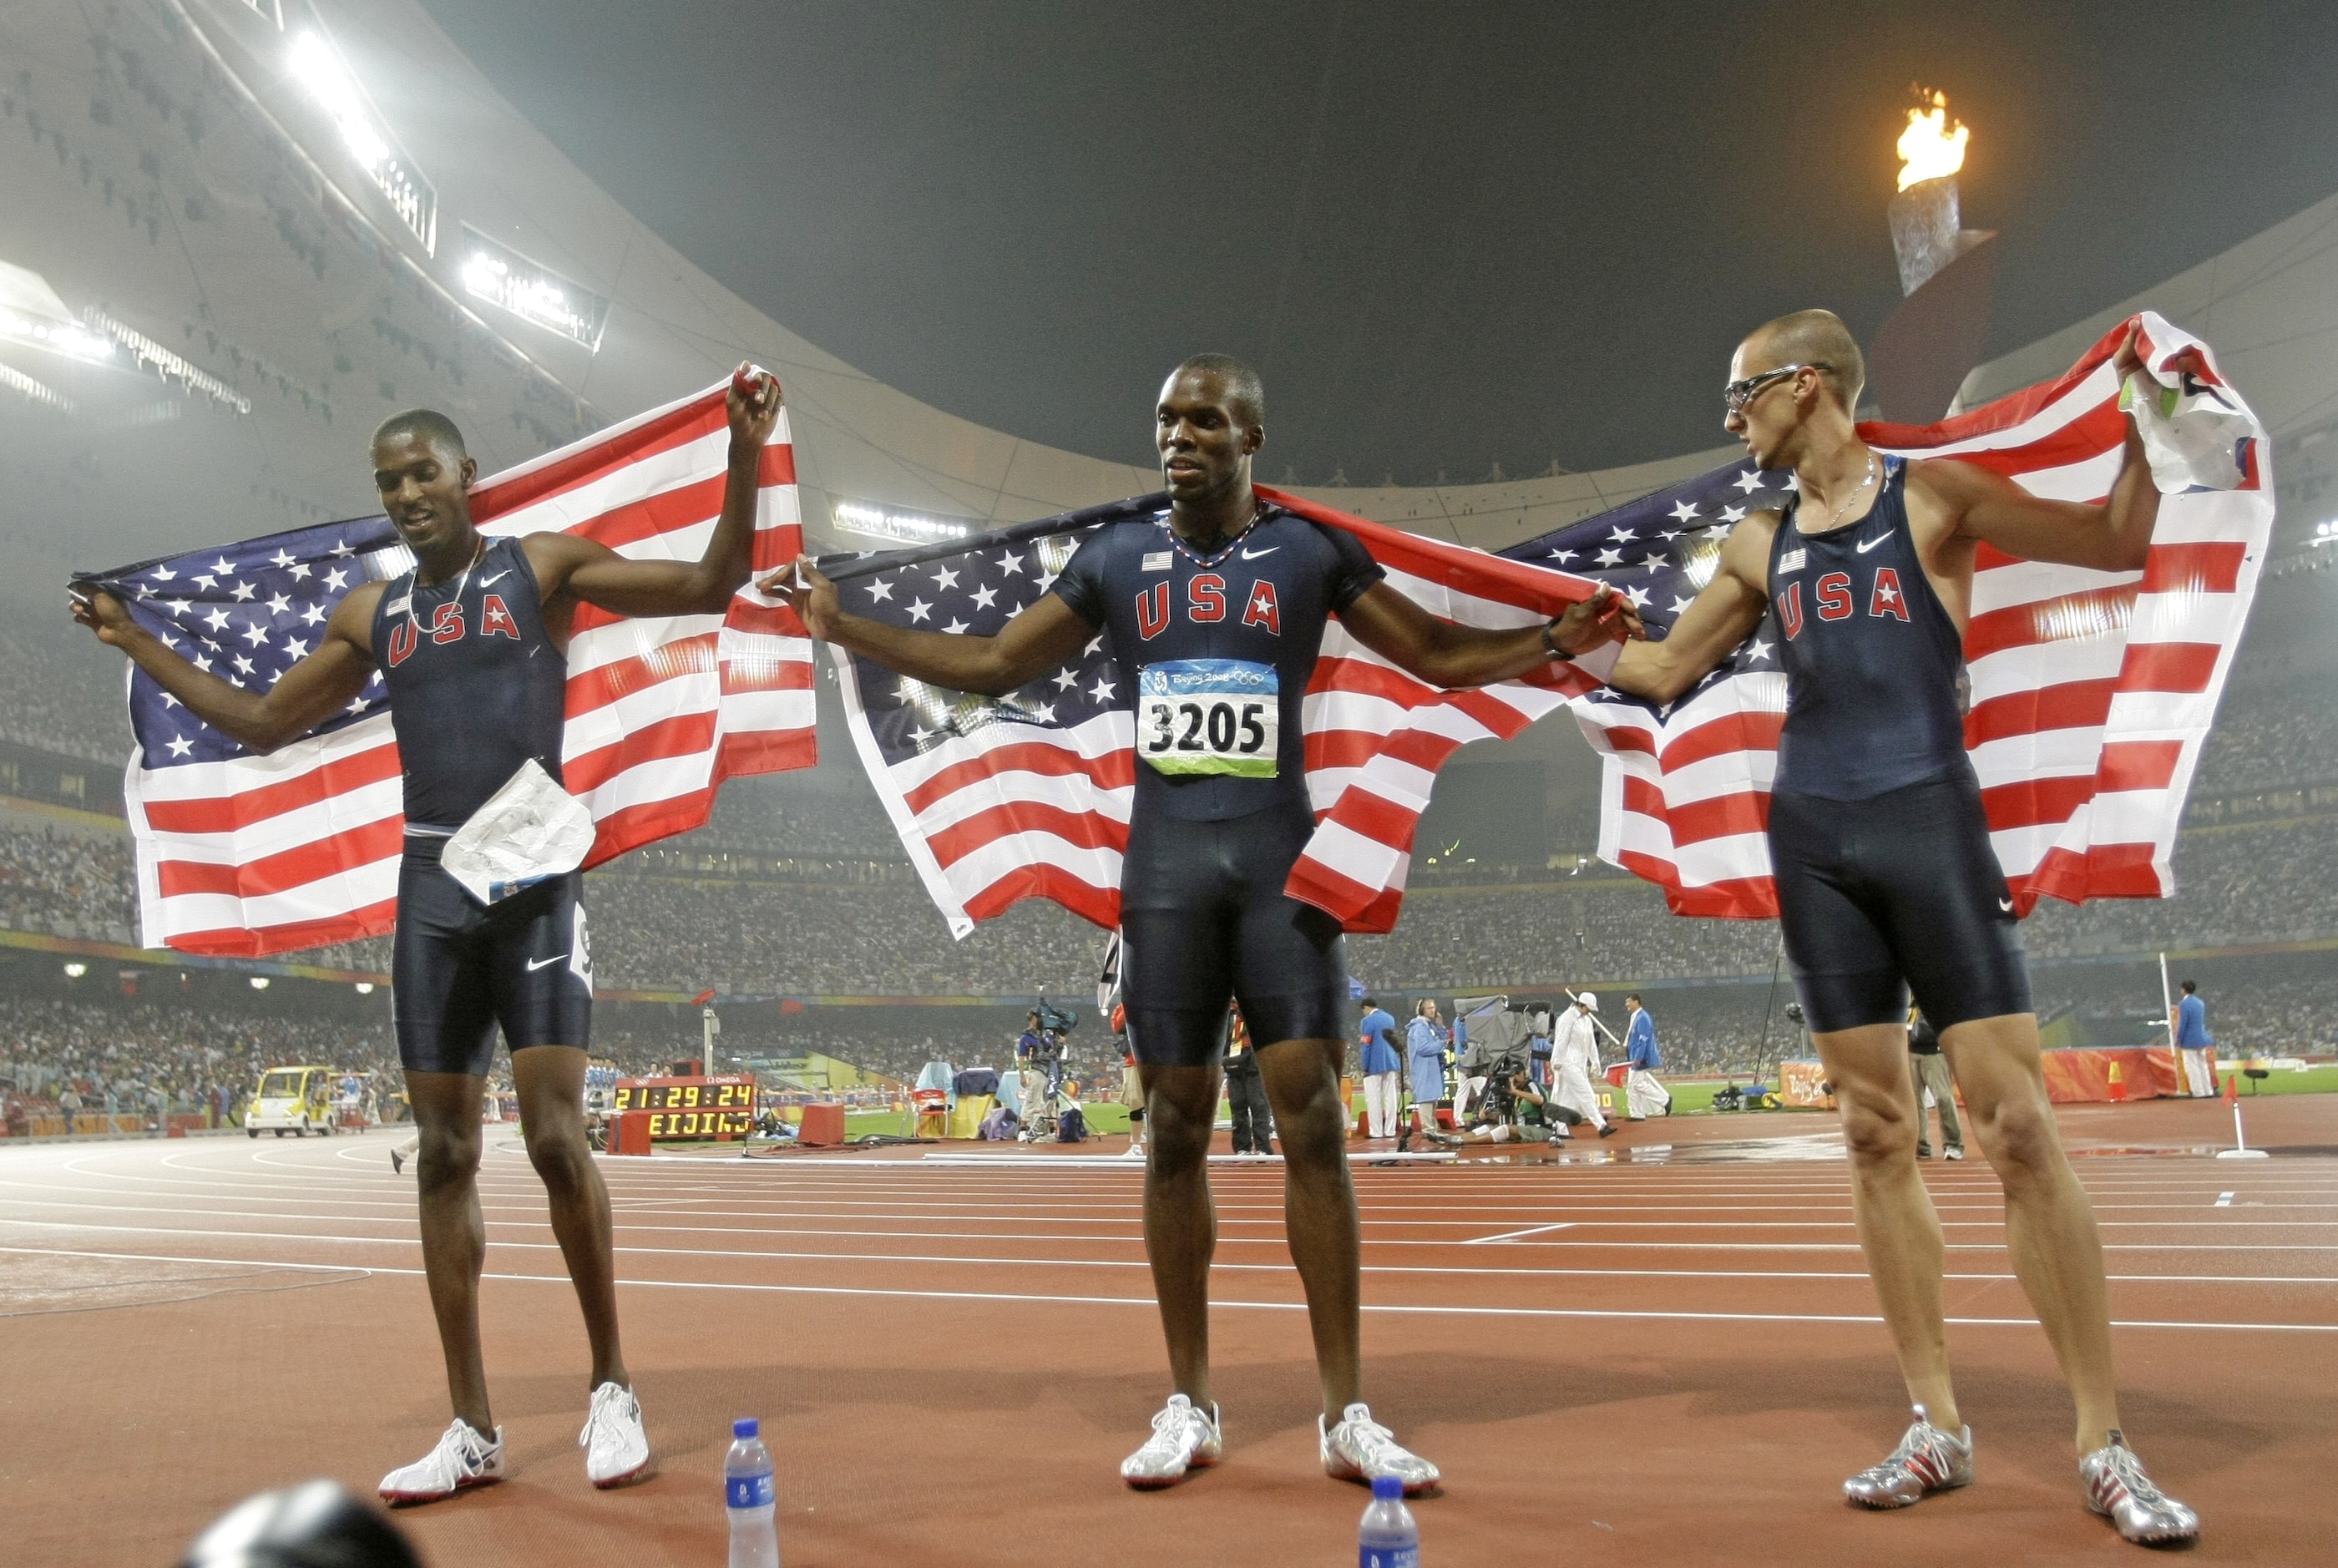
[2118, 1082]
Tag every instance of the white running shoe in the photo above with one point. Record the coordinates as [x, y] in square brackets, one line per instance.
[463, 1459]
[616, 1447]
[1360, 1448]
[1133, 1151]
[1183, 1439]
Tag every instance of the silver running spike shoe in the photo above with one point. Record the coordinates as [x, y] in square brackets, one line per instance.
[1360, 1448]
[1183, 1439]
[2118, 1490]
[1928, 1460]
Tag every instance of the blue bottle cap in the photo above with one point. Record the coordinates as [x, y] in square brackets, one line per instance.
[1385, 1487]
[748, 1426]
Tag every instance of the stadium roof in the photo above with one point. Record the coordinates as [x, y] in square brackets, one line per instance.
[309, 235]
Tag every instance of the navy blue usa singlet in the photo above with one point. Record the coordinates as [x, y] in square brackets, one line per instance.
[1872, 661]
[477, 684]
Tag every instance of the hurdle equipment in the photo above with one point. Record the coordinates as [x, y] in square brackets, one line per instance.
[2240, 1150]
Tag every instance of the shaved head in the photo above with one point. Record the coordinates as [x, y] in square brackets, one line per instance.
[1811, 338]
[428, 422]
[1244, 390]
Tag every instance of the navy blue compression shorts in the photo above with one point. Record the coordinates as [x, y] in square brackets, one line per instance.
[461, 967]
[1899, 892]
[1205, 919]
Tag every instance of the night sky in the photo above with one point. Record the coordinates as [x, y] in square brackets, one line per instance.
[1448, 236]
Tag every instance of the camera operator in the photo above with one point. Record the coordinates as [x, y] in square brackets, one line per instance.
[1039, 1053]
[1514, 1111]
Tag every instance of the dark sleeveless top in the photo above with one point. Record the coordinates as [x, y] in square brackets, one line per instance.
[1873, 664]
[477, 685]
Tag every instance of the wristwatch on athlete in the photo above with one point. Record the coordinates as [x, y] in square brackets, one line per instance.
[1595, 663]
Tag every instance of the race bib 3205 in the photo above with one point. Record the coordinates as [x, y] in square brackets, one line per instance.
[1209, 716]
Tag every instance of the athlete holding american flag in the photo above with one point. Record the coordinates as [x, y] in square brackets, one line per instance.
[473, 646]
[1886, 878]
[1218, 612]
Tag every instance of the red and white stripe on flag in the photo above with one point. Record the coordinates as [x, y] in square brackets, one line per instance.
[262, 855]
[1016, 810]
[2091, 691]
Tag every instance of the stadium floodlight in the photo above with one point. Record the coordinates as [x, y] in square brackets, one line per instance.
[32, 314]
[319, 68]
[879, 522]
[75, 971]
[2325, 534]
[365, 988]
[259, 982]
[508, 280]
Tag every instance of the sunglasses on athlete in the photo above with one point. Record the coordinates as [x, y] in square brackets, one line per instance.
[1738, 394]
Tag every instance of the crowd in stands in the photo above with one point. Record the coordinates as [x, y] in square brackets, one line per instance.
[66, 885]
[2265, 737]
[138, 1058]
[65, 693]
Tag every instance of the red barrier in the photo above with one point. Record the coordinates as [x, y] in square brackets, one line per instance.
[633, 1133]
[2084, 1076]
[822, 1125]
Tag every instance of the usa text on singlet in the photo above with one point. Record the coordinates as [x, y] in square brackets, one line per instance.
[477, 685]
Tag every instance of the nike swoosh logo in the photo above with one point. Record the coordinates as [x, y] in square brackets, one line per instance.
[1254, 554]
[491, 581]
[2006, 905]
[1867, 544]
[532, 964]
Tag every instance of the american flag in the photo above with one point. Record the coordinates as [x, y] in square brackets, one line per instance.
[247, 854]
[1028, 795]
[2091, 691]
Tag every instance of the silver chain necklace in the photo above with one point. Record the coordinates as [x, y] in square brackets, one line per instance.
[1860, 489]
[461, 582]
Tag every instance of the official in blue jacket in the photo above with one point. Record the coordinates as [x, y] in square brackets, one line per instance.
[1643, 1096]
[1425, 1039]
[2193, 1039]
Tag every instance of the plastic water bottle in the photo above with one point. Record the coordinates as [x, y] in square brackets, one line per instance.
[747, 1489]
[1389, 1537]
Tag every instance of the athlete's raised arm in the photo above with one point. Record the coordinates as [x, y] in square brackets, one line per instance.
[2110, 535]
[311, 692]
[1445, 655]
[1047, 634]
[1722, 614]
[598, 575]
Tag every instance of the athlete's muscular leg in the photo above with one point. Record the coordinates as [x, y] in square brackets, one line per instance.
[1181, 1219]
[1898, 1230]
[454, 1239]
[1318, 1202]
[2049, 1222]
[551, 1084]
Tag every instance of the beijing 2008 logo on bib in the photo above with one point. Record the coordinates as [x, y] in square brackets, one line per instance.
[1209, 716]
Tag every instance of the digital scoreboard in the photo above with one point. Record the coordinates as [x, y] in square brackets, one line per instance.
[690, 1108]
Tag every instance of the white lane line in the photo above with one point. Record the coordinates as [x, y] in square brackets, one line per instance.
[1386, 1309]
[1515, 1235]
[922, 1259]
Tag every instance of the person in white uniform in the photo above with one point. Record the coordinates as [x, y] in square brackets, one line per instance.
[1574, 1058]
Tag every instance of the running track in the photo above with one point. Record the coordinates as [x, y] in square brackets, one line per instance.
[1636, 1354]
